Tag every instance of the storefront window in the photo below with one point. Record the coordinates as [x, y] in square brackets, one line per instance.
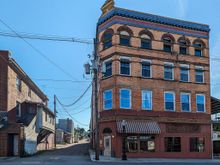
[132, 143]
[197, 144]
[147, 144]
[172, 144]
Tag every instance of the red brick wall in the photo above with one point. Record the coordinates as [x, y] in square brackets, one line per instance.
[4, 55]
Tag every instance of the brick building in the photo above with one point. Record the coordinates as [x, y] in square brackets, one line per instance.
[27, 125]
[154, 85]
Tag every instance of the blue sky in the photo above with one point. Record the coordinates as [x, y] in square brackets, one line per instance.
[78, 19]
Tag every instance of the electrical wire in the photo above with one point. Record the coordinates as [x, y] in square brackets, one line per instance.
[37, 50]
[70, 105]
[70, 114]
[46, 37]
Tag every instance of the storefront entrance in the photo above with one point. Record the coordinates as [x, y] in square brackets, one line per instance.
[107, 145]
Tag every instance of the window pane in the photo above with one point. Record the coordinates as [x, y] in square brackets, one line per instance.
[199, 76]
[167, 48]
[197, 144]
[108, 69]
[125, 68]
[169, 101]
[146, 70]
[198, 52]
[147, 143]
[125, 101]
[200, 102]
[147, 100]
[168, 72]
[172, 144]
[184, 74]
[108, 99]
[132, 143]
[124, 40]
[183, 50]
[185, 102]
[146, 44]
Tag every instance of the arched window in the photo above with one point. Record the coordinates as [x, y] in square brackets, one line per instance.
[124, 38]
[198, 47]
[168, 41]
[107, 39]
[125, 35]
[183, 45]
[145, 41]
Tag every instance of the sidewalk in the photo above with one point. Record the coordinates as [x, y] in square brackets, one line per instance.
[150, 160]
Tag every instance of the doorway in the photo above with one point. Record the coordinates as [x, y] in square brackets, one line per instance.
[107, 145]
[12, 145]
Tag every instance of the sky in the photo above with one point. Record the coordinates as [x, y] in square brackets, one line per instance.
[73, 18]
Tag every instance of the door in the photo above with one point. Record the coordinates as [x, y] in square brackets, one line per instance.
[107, 145]
[12, 145]
[15, 147]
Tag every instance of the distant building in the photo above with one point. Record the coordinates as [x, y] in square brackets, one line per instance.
[26, 123]
[154, 86]
[67, 126]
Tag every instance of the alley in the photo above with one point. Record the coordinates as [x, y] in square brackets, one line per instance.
[78, 149]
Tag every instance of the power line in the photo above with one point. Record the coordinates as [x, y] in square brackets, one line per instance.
[46, 37]
[70, 114]
[69, 105]
[56, 80]
[37, 50]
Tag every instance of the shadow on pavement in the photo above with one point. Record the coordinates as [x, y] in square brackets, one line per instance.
[80, 149]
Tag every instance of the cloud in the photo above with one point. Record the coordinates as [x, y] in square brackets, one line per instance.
[182, 8]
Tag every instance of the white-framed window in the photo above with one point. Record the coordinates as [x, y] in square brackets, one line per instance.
[146, 100]
[107, 99]
[146, 68]
[18, 109]
[169, 101]
[184, 73]
[125, 66]
[168, 71]
[199, 74]
[200, 103]
[185, 102]
[107, 68]
[125, 98]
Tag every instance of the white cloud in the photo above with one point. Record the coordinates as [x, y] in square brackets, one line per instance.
[182, 8]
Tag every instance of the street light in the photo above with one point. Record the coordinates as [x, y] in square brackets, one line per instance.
[124, 156]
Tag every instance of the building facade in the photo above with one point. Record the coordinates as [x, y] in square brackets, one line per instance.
[24, 107]
[154, 86]
[67, 126]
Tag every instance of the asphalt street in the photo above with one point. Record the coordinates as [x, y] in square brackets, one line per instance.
[76, 154]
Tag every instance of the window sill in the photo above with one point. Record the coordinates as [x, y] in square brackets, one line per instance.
[125, 75]
[106, 77]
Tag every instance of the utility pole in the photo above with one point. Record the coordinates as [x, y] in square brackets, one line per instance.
[95, 70]
[55, 114]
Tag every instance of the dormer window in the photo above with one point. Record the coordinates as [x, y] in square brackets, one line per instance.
[124, 38]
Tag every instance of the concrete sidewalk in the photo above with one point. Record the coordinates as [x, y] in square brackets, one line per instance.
[151, 160]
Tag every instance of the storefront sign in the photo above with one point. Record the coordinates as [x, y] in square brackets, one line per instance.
[183, 128]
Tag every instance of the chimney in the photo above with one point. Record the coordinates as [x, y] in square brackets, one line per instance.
[108, 5]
